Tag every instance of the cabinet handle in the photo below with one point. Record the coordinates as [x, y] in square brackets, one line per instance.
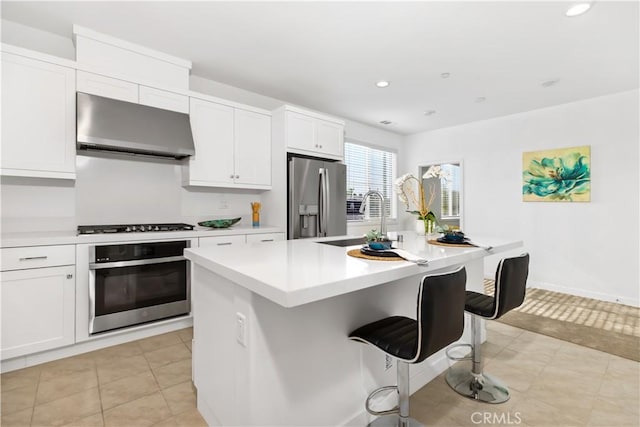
[237, 176]
[266, 240]
[231, 176]
[320, 145]
[69, 276]
[32, 258]
[224, 243]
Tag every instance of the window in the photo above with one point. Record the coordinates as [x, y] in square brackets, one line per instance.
[369, 169]
[450, 190]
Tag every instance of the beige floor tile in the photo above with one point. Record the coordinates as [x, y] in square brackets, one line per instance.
[536, 413]
[621, 368]
[20, 378]
[94, 420]
[167, 355]
[612, 387]
[68, 409]
[117, 351]
[159, 341]
[189, 345]
[127, 389]
[17, 419]
[18, 399]
[173, 373]
[62, 386]
[145, 411]
[68, 366]
[186, 335]
[503, 329]
[180, 397]
[169, 422]
[608, 413]
[190, 418]
[121, 367]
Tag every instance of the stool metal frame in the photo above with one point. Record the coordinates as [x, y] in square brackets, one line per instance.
[510, 284]
[440, 322]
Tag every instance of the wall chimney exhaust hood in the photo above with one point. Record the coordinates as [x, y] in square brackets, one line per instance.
[112, 125]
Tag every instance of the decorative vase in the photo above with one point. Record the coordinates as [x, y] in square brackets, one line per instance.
[425, 226]
[419, 227]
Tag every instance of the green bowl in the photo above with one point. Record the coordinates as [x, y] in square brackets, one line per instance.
[219, 223]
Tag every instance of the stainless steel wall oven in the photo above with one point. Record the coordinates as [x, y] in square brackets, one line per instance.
[137, 283]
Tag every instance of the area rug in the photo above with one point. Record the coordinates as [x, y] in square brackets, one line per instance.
[605, 326]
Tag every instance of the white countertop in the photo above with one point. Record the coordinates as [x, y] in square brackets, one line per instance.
[42, 238]
[296, 272]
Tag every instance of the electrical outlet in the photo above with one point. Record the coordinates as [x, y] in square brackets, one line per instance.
[388, 362]
[241, 329]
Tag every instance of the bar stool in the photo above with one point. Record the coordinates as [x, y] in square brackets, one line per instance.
[440, 321]
[510, 284]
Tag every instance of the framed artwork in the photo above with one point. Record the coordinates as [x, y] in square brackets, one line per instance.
[560, 175]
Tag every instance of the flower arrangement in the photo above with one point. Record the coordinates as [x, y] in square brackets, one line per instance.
[415, 201]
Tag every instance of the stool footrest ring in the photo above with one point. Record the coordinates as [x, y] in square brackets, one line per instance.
[374, 393]
[456, 346]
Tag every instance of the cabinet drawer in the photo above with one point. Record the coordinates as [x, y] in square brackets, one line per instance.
[37, 257]
[264, 237]
[96, 84]
[163, 99]
[221, 241]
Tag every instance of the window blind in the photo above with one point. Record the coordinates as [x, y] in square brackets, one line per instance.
[369, 169]
[450, 190]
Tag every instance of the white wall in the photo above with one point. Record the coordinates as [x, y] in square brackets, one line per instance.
[588, 249]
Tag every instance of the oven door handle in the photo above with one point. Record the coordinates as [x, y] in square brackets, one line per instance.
[117, 264]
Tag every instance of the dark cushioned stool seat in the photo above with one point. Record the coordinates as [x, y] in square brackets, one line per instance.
[480, 304]
[396, 335]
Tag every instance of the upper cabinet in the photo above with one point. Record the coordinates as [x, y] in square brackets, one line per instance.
[233, 147]
[108, 87]
[38, 118]
[307, 132]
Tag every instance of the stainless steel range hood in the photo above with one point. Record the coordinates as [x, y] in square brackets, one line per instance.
[112, 125]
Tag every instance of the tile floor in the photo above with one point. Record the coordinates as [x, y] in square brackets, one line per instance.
[142, 383]
[552, 383]
[147, 382]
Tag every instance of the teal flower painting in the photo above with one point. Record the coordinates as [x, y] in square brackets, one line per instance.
[562, 175]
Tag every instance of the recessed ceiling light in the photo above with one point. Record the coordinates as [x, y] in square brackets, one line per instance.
[429, 112]
[385, 122]
[550, 83]
[382, 83]
[445, 75]
[577, 9]
[481, 99]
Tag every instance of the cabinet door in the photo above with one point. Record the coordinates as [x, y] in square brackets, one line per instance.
[301, 133]
[212, 128]
[107, 87]
[38, 118]
[330, 138]
[252, 148]
[38, 310]
[222, 241]
[162, 99]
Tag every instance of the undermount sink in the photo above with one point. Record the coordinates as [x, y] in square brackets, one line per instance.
[345, 242]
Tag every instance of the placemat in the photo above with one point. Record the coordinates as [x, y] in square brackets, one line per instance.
[457, 245]
[357, 254]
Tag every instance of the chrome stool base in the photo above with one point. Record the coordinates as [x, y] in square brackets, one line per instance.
[394, 421]
[482, 387]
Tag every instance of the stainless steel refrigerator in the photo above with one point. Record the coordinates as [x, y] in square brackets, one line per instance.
[317, 198]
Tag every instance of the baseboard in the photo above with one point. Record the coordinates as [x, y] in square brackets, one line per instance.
[420, 375]
[120, 337]
[584, 293]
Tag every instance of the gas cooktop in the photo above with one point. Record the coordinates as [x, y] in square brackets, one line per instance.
[132, 228]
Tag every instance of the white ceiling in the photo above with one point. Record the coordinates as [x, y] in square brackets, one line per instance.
[328, 55]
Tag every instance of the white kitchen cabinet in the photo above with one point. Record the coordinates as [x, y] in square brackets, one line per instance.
[163, 99]
[95, 84]
[310, 133]
[222, 240]
[38, 304]
[38, 118]
[265, 237]
[233, 147]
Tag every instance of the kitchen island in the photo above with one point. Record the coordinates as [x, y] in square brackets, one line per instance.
[271, 322]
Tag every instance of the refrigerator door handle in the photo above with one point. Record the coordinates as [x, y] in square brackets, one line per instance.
[320, 202]
[326, 202]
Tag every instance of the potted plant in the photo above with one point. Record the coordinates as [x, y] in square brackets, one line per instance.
[377, 241]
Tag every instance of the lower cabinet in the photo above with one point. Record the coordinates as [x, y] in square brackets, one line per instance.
[264, 237]
[38, 310]
[222, 241]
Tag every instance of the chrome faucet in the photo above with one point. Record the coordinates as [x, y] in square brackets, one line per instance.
[383, 227]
